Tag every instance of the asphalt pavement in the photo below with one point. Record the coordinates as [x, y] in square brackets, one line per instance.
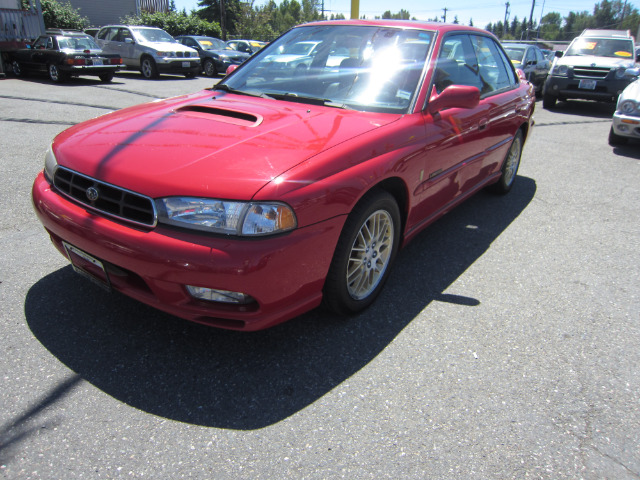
[505, 345]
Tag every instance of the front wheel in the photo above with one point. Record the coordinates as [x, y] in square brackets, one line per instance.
[210, 68]
[510, 165]
[549, 101]
[364, 254]
[615, 139]
[148, 68]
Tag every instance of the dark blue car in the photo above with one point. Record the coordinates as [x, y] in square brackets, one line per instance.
[215, 55]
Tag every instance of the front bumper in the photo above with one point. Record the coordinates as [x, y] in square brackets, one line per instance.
[626, 126]
[178, 65]
[284, 274]
[606, 90]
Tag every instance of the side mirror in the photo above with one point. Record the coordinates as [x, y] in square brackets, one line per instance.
[559, 53]
[454, 96]
[129, 40]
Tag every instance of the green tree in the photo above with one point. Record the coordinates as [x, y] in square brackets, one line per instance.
[60, 15]
[175, 23]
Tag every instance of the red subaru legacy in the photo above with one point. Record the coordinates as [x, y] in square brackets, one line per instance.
[296, 179]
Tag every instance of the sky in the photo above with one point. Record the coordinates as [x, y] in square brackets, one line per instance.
[482, 12]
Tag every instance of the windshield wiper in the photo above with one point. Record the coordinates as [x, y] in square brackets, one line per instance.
[294, 97]
[227, 88]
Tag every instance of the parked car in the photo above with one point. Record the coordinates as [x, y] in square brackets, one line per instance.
[531, 60]
[244, 205]
[626, 119]
[246, 46]
[150, 50]
[64, 55]
[215, 55]
[592, 68]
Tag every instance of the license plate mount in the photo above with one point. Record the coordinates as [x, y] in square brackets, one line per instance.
[587, 84]
[88, 266]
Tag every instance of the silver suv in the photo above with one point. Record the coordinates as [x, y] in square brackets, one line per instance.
[150, 50]
[593, 68]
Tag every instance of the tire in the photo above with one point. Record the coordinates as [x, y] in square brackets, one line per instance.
[106, 77]
[549, 101]
[209, 68]
[148, 68]
[55, 74]
[17, 69]
[615, 140]
[510, 165]
[364, 254]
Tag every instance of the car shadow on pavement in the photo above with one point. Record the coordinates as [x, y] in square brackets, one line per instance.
[200, 375]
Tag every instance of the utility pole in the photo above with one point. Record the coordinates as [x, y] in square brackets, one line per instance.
[533, 5]
[506, 19]
[444, 17]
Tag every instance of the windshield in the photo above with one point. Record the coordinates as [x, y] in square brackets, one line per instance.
[77, 43]
[515, 54]
[601, 47]
[210, 43]
[368, 68]
[153, 35]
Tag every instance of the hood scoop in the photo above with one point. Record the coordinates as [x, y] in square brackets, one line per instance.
[221, 115]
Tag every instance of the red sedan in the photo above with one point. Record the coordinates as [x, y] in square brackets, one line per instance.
[288, 184]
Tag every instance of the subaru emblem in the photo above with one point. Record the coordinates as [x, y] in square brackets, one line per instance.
[92, 193]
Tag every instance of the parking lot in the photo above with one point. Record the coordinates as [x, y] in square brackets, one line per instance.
[505, 345]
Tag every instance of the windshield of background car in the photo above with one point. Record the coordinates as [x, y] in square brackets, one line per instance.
[152, 35]
[367, 68]
[77, 43]
[515, 54]
[601, 47]
[213, 44]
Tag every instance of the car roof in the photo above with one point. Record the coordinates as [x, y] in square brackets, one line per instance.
[412, 24]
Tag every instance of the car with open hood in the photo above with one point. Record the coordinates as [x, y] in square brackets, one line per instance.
[254, 201]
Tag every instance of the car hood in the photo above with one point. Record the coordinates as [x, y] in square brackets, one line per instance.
[212, 144]
[595, 60]
[228, 53]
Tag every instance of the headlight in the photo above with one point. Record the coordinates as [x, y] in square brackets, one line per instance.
[50, 164]
[560, 70]
[226, 217]
[628, 107]
[620, 72]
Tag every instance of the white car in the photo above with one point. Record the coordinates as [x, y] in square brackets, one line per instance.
[626, 118]
[150, 50]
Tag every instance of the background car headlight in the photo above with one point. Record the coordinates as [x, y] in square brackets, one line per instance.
[628, 107]
[560, 70]
[620, 72]
[50, 164]
[226, 217]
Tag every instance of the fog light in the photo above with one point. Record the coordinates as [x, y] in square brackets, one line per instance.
[223, 296]
[623, 128]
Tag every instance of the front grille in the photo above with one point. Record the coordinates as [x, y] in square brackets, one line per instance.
[183, 54]
[591, 72]
[111, 200]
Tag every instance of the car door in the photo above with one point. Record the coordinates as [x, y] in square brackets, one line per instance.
[130, 51]
[42, 53]
[455, 135]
